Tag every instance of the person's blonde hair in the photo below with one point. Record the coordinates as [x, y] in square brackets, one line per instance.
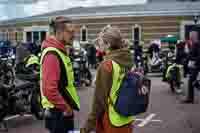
[110, 37]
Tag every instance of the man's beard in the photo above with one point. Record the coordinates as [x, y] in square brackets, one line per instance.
[69, 43]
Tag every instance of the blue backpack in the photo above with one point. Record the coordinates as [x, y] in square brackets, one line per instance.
[130, 102]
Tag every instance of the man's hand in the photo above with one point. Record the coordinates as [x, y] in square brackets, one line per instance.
[69, 111]
[67, 114]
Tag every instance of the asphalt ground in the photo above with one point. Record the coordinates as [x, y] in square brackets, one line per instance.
[165, 113]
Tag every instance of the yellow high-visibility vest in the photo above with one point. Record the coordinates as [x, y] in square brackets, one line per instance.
[32, 59]
[117, 119]
[70, 88]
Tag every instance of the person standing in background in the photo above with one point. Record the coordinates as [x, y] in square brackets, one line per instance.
[194, 65]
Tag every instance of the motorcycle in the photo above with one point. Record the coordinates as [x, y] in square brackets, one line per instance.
[7, 70]
[173, 76]
[82, 73]
[22, 96]
[156, 63]
[32, 76]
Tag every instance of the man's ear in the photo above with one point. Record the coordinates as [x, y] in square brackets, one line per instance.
[59, 35]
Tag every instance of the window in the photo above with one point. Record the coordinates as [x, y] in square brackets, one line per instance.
[189, 28]
[1, 36]
[16, 39]
[11, 36]
[136, 34]
[36, 37]
[19, 36]
[43, 35]
[33, 36]
[29, 36]
[84, 34]
[7, 36]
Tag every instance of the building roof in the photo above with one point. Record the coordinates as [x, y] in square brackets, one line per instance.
[148, 9]
[171, 0]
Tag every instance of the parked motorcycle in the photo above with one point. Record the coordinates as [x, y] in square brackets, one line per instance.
[7, 70]
[82, 73]
[156, 63]
[32, 66]
[21, 96]
[173, 76]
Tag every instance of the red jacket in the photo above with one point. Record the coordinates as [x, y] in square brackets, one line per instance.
[51, 75]
[100, 53]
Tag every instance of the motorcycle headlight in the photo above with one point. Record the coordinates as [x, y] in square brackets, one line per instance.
[77, 59]
[76, 53]
[75, 65]
[13, 56]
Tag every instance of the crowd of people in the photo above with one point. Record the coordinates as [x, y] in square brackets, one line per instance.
[185, 53]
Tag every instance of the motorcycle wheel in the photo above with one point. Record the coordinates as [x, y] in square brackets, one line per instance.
[36, 107]
[175, 87]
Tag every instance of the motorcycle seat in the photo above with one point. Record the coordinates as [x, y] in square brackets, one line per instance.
[28, 77]
[21, 84]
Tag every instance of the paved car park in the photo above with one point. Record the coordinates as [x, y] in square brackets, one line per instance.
[165, 113]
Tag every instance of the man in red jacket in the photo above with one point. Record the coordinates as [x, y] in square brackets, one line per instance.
[58, 119]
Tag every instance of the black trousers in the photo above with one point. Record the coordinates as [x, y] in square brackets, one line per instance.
[57, 123]
[186, 69]
[192, 78]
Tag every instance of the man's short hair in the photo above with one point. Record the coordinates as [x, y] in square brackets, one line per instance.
[57, 23]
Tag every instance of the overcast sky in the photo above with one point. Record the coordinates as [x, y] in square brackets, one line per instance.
[12, 9]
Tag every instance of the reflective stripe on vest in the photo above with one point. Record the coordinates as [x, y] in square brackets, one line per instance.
[70, 76]
[115, 118]
[169, 70]
[32, 60]
[171, 67]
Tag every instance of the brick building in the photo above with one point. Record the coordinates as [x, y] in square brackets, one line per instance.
[143, 22]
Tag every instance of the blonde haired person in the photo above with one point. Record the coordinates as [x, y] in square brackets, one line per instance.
[109, 39]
